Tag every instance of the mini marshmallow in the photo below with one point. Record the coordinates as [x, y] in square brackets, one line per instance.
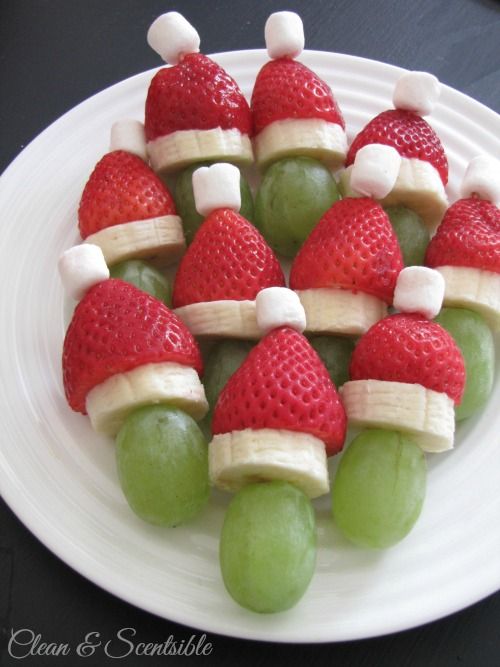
[217, 186]
[128, 135]
[482, 178]
[417, 91]
[375, 170]
[279, 307]
[284, 35]
[81, 267]
[172, 37]
[419, 290]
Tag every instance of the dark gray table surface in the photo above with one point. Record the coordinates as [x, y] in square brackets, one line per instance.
[56, 53]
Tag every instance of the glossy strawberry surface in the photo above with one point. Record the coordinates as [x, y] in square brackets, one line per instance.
[287, 89]
[410, 348]
[196, 94]
[352, 247]
[115, 328]
[408, 133]
[122, 188]
[282, 384]
[228, 259]
[469, 235]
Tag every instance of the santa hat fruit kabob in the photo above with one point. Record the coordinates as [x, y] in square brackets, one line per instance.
[423, 173]
[407, 374]
[125, 209]
[226, 265]
[194, 110]
[299, 137]
[466, 252]
[345, 273]
[277, 419]
[131, 364]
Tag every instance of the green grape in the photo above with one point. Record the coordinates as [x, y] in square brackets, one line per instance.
[293, 195]
[184, 201]
[223, 360]
[413, 235]
[162, 460]
[268, 546]
[379, 488]
[475, 340]
[145, 277]
[335, 352]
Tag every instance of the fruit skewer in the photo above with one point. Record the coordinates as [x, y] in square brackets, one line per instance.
[276, 420]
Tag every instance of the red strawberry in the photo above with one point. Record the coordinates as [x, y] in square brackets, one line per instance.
[196, 94]
[410, 348]
[353, 247]
[228, 259]
[122, 188]
[469, 235]
[115, 328]
[286, 89]
[282, 384]
[408, 133]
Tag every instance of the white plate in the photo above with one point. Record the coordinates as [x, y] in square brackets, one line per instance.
[60, 478]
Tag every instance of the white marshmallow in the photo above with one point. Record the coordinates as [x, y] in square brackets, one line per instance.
[128, 135]
[482, 178]
[284, 35]
[279, 307]
[217, 186]
[375, 170]
[419, 290]
[172, 37]
[417, 91]
[81, 267]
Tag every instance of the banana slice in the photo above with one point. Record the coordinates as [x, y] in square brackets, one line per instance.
[418, 187]
[159, 240]
[337, 311]
[110, 402]
[230, 319]
[243, 457]
[427, 415]
[178, 149]
[476, 289]
[313, 137]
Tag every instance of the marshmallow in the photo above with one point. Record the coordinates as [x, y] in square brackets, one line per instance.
[128, 135]
[279, 307]
[417, 91]
[375, 170]
[172, 37]
[482, 178]
[217, 186]
[81, 267]
[419, 290]
[284, 35]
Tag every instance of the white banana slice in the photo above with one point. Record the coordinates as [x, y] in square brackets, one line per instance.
[472, 288]
[337, 311]
[159, 240]
[228, 318]
[178, 149]
[243, 457]
[428, 416]
[418, 187]
[110, 402]
[314, 137]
